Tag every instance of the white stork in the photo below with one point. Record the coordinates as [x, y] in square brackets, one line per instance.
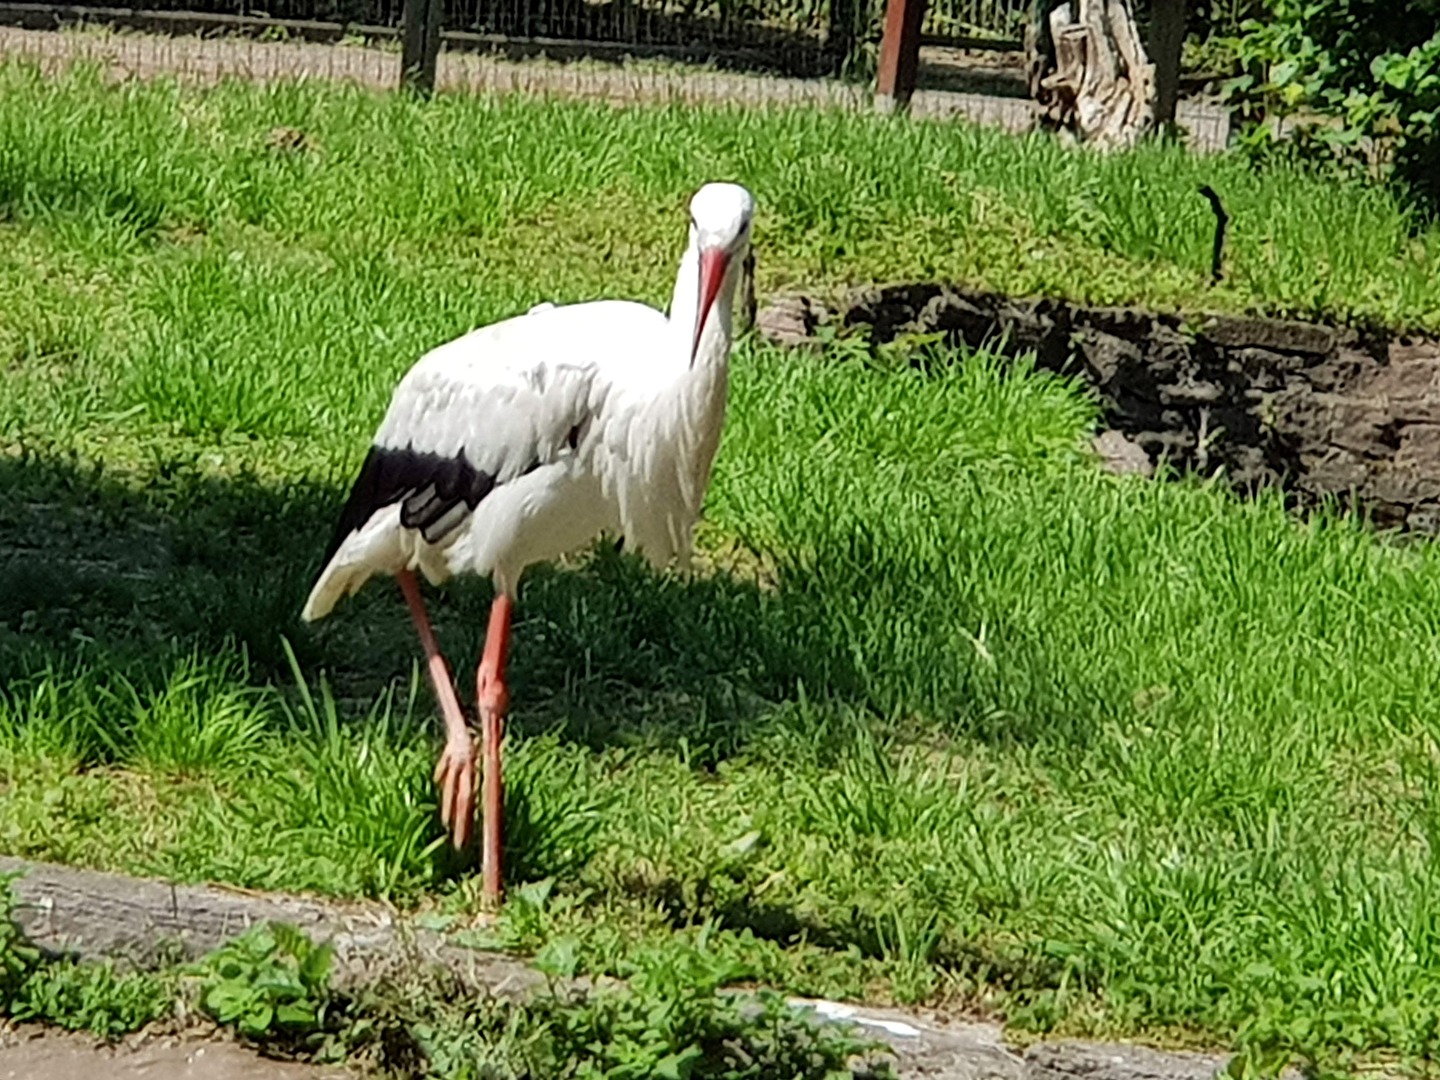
[526, 440]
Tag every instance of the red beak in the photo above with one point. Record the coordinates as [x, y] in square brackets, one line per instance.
[713, 264]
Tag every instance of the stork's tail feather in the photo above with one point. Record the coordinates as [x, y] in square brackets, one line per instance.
[378, 547]
[336, 582]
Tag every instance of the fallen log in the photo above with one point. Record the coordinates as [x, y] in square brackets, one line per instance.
[89, 915]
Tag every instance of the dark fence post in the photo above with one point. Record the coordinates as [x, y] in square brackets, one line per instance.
[420, 44]
[1167, 41]
[899, 53]
[844, 25]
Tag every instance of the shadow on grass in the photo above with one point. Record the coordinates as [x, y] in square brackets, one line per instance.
[93, 567]
[94, 570]
[125, 582]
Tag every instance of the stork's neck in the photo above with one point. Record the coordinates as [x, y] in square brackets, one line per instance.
[685, 304]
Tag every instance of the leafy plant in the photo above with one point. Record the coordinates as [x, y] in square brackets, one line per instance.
[18, 957]
[1367, 72]
[672, 1020]
[271, 981]
[94, 997]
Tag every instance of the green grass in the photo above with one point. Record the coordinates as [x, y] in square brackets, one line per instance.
[955, 716]
[184, 191]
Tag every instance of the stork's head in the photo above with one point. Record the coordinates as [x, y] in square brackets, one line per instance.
[720, 232]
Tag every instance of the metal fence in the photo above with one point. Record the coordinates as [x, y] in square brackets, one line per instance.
[795, 37]
[1002, 20]
[737, 22]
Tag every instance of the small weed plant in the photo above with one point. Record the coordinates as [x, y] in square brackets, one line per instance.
[669, 1019]
[18, 958]
[272, 982]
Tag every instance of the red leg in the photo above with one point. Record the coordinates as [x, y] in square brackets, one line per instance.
[493, 699]
[455, 771]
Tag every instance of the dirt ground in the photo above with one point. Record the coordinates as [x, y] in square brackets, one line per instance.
[39, 1054]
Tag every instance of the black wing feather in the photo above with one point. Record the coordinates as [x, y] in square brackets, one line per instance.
[428, 487]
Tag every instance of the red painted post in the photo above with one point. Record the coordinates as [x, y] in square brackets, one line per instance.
[899, 53]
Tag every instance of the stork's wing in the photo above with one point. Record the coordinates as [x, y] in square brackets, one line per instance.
[470, 416]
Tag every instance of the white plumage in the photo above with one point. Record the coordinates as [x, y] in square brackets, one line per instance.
[508, 399]
[527, 439]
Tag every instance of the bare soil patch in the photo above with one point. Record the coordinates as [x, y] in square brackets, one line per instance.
[33, 1053]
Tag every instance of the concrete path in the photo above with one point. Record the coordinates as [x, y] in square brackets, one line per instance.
[967, 1052]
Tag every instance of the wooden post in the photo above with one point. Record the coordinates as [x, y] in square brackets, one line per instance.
[420, 45]
[1167, 39]
[432, 42]
[745, 309]
[899, 53]
[1039, 48]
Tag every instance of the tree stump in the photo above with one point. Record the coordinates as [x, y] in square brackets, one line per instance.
[1089, 72]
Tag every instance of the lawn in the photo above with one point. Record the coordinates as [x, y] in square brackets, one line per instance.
[951, 715]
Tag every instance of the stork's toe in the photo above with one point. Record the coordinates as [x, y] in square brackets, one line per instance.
[455, 775]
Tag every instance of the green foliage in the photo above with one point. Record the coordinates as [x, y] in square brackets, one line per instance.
[93, 997]
[671, 1020]
[671, 1026]
[430, 218]
[188, 724]
[1370, 67]
[18, 957]
[271, 982]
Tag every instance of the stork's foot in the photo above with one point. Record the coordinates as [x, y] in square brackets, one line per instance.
[455, 774]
